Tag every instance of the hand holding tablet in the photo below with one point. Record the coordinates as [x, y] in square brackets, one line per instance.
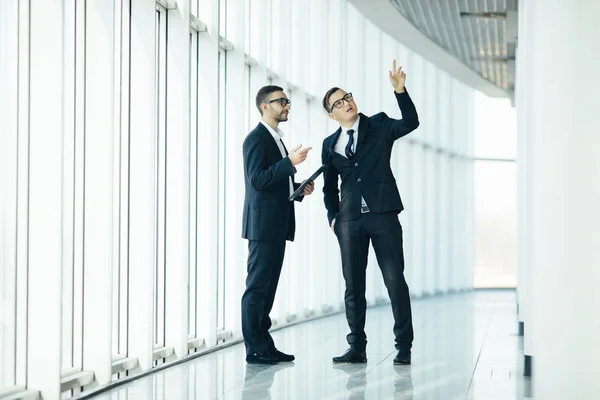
[301, 188]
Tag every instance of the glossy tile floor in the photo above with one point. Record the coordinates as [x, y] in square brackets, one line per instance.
[466, 347]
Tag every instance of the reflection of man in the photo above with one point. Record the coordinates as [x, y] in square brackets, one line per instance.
[403, 386]
[260, 387]
[359, 152]
[268, 220]
[357, 380]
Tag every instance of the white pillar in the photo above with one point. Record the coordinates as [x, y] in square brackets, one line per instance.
[9, 183]
[22, 194]
[429, 265]
[45, 198]
[296, 252]
[99, 189]
[523, 189]
[415, 244]
[142, 183]
[235, 262]
[177, 178]
[207, 174]
[565, 146]
[177, 185]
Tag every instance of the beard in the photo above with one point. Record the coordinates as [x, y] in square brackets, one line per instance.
[281, 117]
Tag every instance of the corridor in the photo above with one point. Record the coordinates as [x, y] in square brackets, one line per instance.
[466, 347]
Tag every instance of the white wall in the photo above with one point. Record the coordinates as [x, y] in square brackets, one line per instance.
[558, 135]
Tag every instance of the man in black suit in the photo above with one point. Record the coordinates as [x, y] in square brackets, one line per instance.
[268, 220]
[359, 152]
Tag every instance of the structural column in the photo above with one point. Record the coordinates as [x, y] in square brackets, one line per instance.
[525, 165]
[177, 178]
[142, 220]
[564, 144]
[99, 186]
[44, 201]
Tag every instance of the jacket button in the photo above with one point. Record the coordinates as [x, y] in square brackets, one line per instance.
[356, 164]
[358, 180]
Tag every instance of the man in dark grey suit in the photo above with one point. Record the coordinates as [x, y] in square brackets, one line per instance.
[268, 220]
[359, 152]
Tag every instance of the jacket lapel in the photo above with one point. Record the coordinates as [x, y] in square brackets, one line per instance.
[334, 140]
[363, 131]
[271, 139]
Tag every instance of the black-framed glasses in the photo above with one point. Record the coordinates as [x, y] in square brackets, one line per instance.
[282, 100]
[340, 103]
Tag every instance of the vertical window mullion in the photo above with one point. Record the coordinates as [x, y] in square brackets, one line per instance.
[9, 202]
[161, 144]
[193, 256]
[221, 194]
[69, 170]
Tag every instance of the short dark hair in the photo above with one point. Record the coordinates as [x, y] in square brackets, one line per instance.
[327, 96]
[262, 94]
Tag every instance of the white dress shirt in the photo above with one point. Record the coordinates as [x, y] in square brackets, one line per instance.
[340, 146]
[278, 135]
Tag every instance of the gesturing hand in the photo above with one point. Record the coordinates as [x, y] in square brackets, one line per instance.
[397, 78]
[298, 154]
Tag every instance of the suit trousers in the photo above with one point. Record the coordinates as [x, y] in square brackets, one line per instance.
[385, 232]
[264, 268]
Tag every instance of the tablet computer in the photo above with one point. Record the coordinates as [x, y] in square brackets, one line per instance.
[314, 176]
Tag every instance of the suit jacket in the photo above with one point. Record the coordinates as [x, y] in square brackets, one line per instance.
[268, 214]
[368, 173]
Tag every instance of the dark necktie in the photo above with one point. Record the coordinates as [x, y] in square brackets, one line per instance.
[349, 152]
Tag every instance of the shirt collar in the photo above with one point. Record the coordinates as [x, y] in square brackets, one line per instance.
[277, 134]
[355, 127]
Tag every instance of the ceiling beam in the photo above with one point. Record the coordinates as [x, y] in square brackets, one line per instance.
[489, 15]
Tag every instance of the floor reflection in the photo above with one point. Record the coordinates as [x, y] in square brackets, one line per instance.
[259, 379]
[466, 348]
[403, 386]
[356, 382]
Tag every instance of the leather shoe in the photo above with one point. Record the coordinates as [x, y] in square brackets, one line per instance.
[264, 357]
[351, 356]
[281, 356]
[402, 358]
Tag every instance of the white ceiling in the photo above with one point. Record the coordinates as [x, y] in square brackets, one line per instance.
[478, 50]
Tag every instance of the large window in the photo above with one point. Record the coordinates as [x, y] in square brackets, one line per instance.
[223, 17]
[120, 312]
[495, 193]
[96, 204]
[248, 98]
[194, 189]
[222, 214]
[496, 223]
[73, 187]
[8, 194]
[160, 162]
[256, 32]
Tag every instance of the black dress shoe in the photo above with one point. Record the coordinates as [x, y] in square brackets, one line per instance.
[351, 356]
[402, 358]
[264, 357]
[282, 357]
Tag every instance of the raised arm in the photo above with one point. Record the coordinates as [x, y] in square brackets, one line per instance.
[410, 119]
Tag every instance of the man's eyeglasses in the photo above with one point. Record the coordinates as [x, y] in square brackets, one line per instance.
[282, 100]
[340, 103]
